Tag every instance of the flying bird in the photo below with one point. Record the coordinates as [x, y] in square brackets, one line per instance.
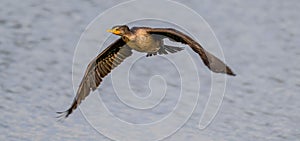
[142, 39]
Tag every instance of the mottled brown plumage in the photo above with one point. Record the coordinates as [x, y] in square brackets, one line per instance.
[142, 39]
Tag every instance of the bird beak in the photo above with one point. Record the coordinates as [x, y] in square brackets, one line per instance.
[114, 31]
[110, 30]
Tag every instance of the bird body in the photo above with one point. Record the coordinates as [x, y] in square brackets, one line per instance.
[142, 39]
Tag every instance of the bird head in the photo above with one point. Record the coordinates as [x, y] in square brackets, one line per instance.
[119, 30]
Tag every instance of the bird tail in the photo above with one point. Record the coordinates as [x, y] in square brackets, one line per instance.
[172, 49]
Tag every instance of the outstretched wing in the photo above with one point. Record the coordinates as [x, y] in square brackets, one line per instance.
[97, 69]
[212, 62]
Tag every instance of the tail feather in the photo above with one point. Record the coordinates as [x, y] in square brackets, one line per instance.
[165, 50]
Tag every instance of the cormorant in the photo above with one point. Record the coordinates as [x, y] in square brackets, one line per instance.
[142, 39]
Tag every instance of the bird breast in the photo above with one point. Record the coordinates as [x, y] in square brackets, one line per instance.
[144, 43]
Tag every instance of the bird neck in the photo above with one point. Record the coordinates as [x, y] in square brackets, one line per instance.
[129, 36]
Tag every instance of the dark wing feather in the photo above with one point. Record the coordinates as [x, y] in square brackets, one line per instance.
[97, 69]
[212, 62]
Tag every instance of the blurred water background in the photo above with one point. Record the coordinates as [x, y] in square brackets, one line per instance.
[260, 41]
